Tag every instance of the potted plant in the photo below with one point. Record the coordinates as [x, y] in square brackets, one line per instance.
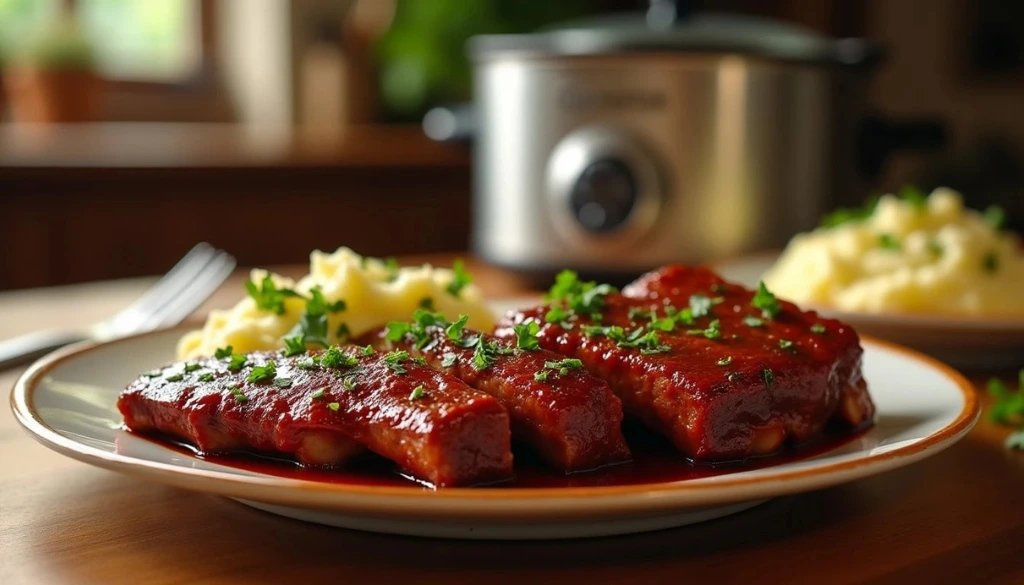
[52, 79]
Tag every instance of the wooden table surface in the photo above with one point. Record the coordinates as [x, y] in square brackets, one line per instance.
[954, 518]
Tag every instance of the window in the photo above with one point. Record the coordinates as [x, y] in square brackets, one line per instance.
[152, 40]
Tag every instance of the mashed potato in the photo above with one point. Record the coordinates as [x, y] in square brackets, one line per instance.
[930, 256]
[373, 292]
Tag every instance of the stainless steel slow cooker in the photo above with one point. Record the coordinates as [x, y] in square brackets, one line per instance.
[616, 145]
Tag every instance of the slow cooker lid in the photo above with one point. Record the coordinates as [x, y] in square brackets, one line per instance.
[669, 31]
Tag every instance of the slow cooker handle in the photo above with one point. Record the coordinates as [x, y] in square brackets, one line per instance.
[453, 123]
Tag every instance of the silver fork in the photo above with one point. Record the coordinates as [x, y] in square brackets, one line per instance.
[179, 292]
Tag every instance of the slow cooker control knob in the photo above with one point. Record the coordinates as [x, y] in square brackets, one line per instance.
[604, 195]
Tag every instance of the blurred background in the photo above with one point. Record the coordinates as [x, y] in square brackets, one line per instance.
[130, 130]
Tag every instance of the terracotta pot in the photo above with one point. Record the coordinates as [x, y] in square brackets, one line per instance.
[52, 95]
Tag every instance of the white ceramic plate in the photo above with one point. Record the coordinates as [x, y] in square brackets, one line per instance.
[67, 402]
[963, 342]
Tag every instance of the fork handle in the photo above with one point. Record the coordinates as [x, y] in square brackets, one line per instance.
[25, 348]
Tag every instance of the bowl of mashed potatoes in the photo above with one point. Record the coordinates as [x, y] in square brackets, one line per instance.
[921, 270]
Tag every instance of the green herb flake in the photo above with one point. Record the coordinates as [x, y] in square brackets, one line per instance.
[283, 382]
[293, 346]
[318, 394]
[540, 376]
[267, 371]
[152, 373]
[334, 406]
[563, 366]
[393, 360]
[485, 354]
[526, 335]
[818, 328]
[700, 306]
[420, 361]
[238, 361]
[191, 367]
[334, 357]
[1008, 406]
[223, 352]
[175, 377]
[765, 301]
[448, 360]
[306, 363]
[460, 278]
[268, 297]
[846, 215]
[752, 321]
[418, 393]
[768, 376]
[238, 394]
[990, 263]
[914, 196]
[994, 216]
[454, 331]
[888, 242]
[724, 361]
[427, 303]
[935, 249]
[368, 350]
[712, 331]
[785, 344]
[396, 330]
[207, 377]
[349, 384]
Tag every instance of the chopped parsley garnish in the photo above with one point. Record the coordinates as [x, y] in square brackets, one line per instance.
[711, 332]
[152, 373]
[725, 361]
[990, 263]
[817, 328]
[460, 278]
[785, 344]
[639, 312]
[663, 324]
[420, 361]
[312, 326]
[334, 406]
[223, 352]
[454, 331]
[283, 382]
[581, 298]
[700, 306]
[994, 216]
[396, 330]
[343, 332]
[427, 304]
[293, 346]
[935, 249]
[417, 393]
[752, 321]
[845, 215]
[335, 358]
[562, 366]
[206, 377]
[318, 394]
[526, 336]
[769, 377]
[393, 360]
[765, 301]
[914, 196]
[238, 394]
[557, 314]
[307, 363]
[448, 360]
[368, 350]
[888, 242]
[540, 376]
[349, 384]
[267, 371]
[486, 353]
[268, 297]
[1008, 408]
[175, 377]
[237, 362]
[191, 367]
